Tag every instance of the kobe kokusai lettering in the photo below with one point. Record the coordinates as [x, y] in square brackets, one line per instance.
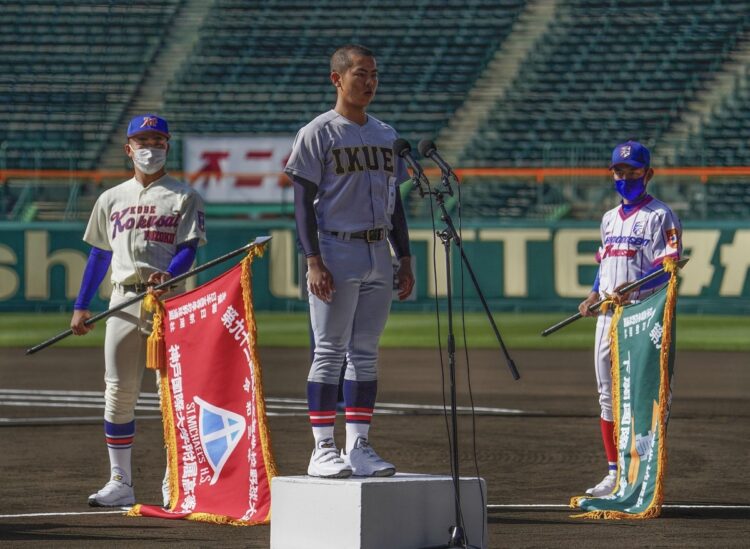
[140, 217]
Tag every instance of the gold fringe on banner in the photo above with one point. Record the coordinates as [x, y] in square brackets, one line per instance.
[166, 403]
[170, 442]
[156, 352]
[260, 399]
[654, 508]
[615, 369]
[247, 297]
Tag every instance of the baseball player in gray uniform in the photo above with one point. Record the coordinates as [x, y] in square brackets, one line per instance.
[637, 236]
[348, 208]
[147, 228]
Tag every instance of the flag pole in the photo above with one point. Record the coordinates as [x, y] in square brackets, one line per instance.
[259, 241]
[622, 291]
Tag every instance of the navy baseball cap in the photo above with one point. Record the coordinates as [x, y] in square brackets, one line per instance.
[148, 123]
[631, 153]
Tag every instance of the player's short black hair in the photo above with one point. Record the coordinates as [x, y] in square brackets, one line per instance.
[342, 57]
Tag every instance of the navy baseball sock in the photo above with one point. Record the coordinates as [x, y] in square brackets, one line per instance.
[119, 437]
[321, 403]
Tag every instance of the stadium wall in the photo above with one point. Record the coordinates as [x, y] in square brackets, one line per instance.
[520, 266]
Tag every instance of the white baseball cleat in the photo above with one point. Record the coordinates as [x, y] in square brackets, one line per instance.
[365, 462]
[605, 487]
[114, 494]
[326, 462]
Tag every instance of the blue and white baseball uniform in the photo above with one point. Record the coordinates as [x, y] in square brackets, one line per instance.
[633, 244]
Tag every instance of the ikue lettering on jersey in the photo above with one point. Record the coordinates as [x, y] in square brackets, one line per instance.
[366, 157]
[354, 168]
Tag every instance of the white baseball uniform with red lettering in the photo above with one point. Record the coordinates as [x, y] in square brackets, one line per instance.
[632, 245]
[142, 226]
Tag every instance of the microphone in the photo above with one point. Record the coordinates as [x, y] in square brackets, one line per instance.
[428, 149]
[402, 148]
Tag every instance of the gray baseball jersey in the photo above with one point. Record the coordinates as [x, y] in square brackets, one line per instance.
[354, 168]
[144, 226]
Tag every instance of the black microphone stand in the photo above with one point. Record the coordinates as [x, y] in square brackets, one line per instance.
[448, 234]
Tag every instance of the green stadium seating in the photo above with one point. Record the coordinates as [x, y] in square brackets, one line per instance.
[602, 75]
[262, 67]
[69, 70]
[603, 72]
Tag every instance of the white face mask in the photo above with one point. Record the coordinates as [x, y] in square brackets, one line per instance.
[149, 161]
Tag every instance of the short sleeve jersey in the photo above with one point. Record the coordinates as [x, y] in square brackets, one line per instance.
[354, 168]
[143, 226]
[633, 243]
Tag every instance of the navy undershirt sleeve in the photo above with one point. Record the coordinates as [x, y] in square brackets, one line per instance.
[96, 268]
[304, 216]
[399, 235]
[183, 258]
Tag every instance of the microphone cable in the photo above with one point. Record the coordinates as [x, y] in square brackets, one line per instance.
[468, 365]
[439, 336]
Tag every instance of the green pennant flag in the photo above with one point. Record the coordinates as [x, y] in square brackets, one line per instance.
[642, 348]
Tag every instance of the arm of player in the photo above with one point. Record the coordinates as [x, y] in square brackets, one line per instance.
[96, 268]
[399, 239]
[319, 278]
[593, 297]
[180, 264]
[583, 307]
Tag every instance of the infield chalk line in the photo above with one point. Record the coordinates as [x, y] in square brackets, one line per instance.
[150, 401]
[25, 515]
[489, 507]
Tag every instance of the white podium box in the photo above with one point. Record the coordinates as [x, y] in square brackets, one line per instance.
[405, 511]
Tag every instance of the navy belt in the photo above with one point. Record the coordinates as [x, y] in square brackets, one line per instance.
[137, 288]
[370, 235]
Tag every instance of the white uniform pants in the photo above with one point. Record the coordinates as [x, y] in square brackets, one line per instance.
[603, 364]
[351, 324]
[124, 358]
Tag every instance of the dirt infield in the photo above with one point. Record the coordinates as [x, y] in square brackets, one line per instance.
[542, 456]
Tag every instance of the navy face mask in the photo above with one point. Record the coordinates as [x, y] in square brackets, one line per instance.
[630, 189]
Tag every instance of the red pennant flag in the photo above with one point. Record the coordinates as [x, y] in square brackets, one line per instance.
[215, 429]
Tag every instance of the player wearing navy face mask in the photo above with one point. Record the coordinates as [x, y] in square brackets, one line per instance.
[631, 182]
[637, 236]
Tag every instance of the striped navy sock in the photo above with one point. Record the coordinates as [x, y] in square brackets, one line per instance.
[119, 437]
[321, 403]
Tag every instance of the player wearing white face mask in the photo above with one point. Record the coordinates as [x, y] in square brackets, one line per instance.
[149, 160]
[148, 229]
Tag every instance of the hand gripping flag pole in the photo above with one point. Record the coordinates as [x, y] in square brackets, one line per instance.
[622, 291]
[164, 285]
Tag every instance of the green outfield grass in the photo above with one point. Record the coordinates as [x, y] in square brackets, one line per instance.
[519, 331]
